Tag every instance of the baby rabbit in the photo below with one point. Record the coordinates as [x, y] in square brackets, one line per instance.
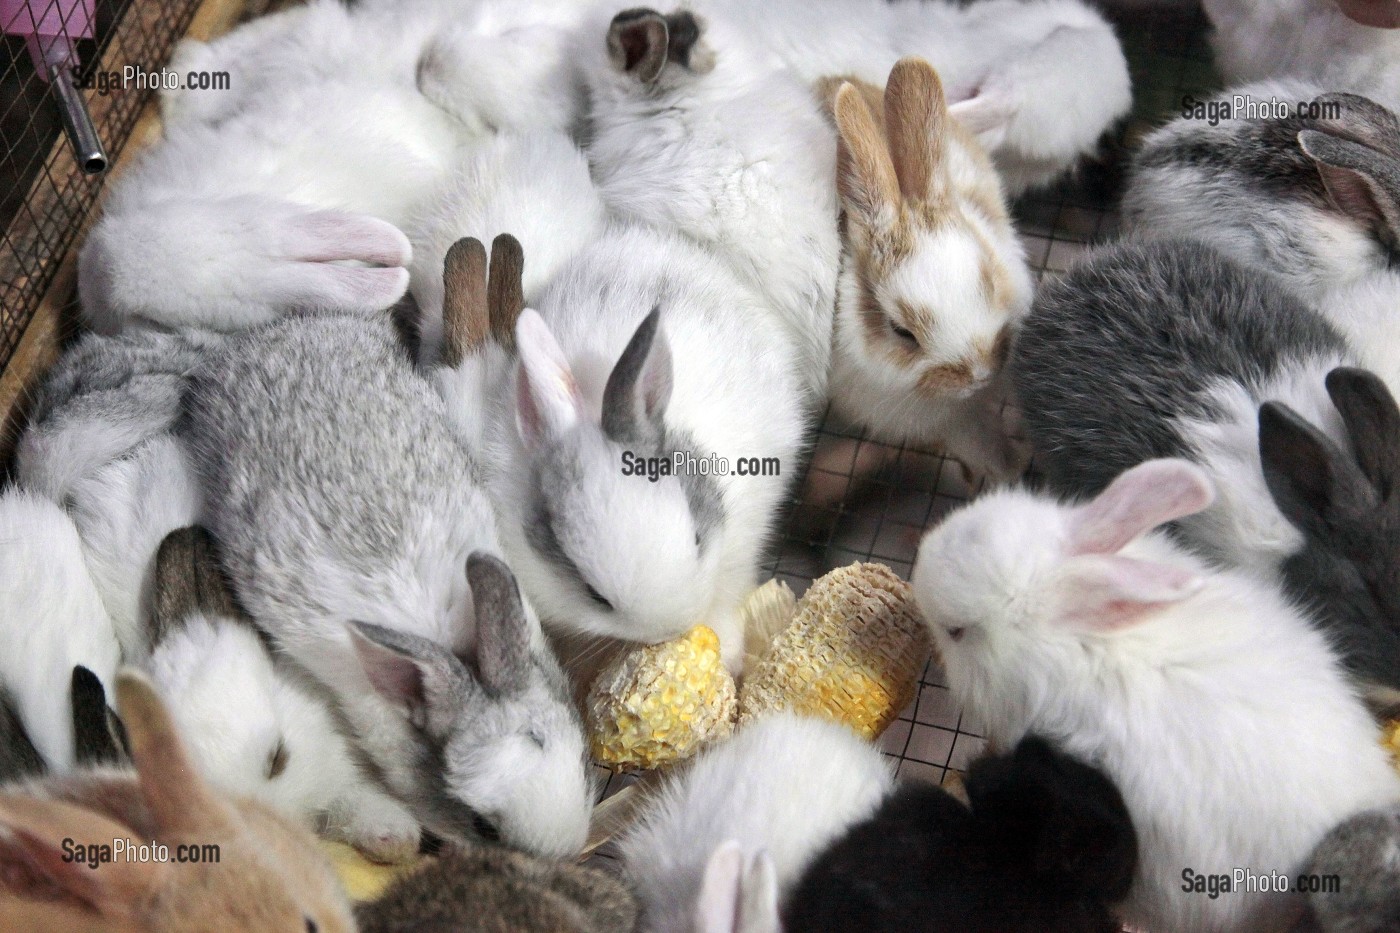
[1075, 620]
[268, 876]
[254, 726]
[752, 180]
[1168, 349]
[1343, 45]
[1360, 853]
[1046, 848]
[786, 784]
[488, 889]
[346, 511]
[52, 619]
[933, 279]
[1348, 506]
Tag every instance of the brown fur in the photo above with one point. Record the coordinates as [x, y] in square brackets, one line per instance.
[189, 578]
[465, 315]
[485, 889]
[269, 878]
[505, 292]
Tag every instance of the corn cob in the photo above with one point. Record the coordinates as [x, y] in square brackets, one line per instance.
[661, 703]
[853, 653]
[1390, 738]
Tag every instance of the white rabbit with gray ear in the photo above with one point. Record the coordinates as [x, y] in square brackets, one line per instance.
[1177, 678]
[285, 189]
[347, 514]
[752, 179]
[256, 726]
[53, 619]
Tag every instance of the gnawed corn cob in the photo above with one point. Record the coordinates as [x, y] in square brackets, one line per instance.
[1390, 738]
[853, 653]
[661, 703]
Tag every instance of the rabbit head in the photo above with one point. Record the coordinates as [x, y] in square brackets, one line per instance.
[1016, 582]
[268, 876]
[739, 893]
[503, 751]
[934, 278]
[1348, 506]
[609, 551]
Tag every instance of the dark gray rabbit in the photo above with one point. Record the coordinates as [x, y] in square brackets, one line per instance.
[1046, 846]
[485, 889]
[1347, 503]
[1361, 853]
[1167, 349]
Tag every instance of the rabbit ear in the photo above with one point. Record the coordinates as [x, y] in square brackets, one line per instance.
[639, 387]
[95, 741]
[465, 314]
[1137, 501]
[738, 895]
[178, 798]
[638, 42]
[1360, 182]
[986, 115]
[916, 124]
[1103, 593]
[36, 864]
[547, 400]
[1311, 479]
[502, 629]
[419, 677]
[1373, 422]
[505, 291]
[1362, 120]
[189, 578]
[865, 175]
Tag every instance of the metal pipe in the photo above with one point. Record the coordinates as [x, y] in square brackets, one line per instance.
[77, 122]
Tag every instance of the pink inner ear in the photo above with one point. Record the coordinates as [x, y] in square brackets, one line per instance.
[1109, 593]
[1139, 500]
[547, 398]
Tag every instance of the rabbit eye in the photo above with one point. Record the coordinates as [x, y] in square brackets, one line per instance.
[277, 761]
[597, 597]
[903, 333]
[956, 634]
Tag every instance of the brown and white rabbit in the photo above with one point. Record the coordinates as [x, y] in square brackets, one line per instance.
[933, 277]
[267, 876]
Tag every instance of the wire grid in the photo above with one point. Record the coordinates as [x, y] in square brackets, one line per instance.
[881, 514]
[44, 194]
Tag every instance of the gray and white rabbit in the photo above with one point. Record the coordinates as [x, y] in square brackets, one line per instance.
[760, 806]
[1204, 693]
[102, 442]
[53, 619]
[1167, 349]
[347, 514]
[1361, 854]
[255, 725]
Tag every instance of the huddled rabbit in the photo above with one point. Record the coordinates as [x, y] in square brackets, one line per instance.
[1360, 854]
[347, 514]
[1205, 694]
[1046, 846]
[268, 876]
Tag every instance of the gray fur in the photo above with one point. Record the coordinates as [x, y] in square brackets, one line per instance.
[188, 579]
[1349, 507]
[1131, 338]
[18, 756]
[480, 889]
[639, 386]
[1365, 853]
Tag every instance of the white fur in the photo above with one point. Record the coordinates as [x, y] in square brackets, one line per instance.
[1219, 711]
[337, 122]
[1015, 69]
[1367, 312]
[1312, 39]
[236, 708]
[53, 619]
[785, 784]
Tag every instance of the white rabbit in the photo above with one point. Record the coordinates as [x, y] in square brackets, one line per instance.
[1209, 698]
[934, 278]
[338, 120]
[786, 785]
[695, 127]
[255, 726]
[1340, 44]
[1015, 69]
[53, 619]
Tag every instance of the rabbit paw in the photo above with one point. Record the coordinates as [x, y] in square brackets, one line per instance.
[380, 828]
[303, 270]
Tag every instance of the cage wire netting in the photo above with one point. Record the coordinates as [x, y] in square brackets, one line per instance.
[45, 195]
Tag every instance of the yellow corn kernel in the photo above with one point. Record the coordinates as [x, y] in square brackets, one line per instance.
[1390, 738]
[661, 703]
[853, 653]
